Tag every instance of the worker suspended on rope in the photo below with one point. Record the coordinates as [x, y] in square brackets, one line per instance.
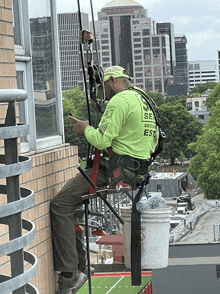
[129, 127]
[129, 135]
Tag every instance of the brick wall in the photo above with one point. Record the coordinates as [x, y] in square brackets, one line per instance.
[7, 54]
[50, 172]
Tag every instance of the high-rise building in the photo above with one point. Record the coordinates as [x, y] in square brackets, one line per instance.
[168, 28]
[128, 37]
[219, 64]
[202, 71]
[70, 63]
[181, 71]
[42, 61]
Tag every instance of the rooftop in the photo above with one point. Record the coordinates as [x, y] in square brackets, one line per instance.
[202, 227]
[122, 3]
[167, 175]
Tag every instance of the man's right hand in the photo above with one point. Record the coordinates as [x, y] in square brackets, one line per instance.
[79, 125]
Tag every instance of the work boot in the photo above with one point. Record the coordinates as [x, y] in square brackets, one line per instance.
[92, 271]
[66, 285]
[82, 278]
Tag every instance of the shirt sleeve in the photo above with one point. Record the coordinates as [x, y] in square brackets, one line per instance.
[110, 125]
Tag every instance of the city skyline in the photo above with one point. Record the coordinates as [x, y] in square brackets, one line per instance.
[197, 19]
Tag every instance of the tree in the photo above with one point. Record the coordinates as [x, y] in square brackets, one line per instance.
[205, 165]
[75, 102]
[176, 99]
[181, 128]
[213, 97]
[201, 88]
[157, 97]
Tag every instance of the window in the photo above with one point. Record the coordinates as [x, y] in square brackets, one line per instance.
[196, 103]
[148, 71]
[149, 84]
[156, 56]
[43, 109]
[158, 85]
[158, 187]
[136, 34]
[201, 116]
[146, 42]
[189, 106]
[138, 63]
[146, 32]
[157, 70]
[155, 41]
[147, 56]
[197, 66]
[190, 66]
[137, 39]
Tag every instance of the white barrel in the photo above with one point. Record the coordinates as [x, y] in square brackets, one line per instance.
[155, 227]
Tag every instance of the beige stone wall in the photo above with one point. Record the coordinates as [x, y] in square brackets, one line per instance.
[50, 172]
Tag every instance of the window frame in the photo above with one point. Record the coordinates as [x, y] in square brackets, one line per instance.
[23, 55]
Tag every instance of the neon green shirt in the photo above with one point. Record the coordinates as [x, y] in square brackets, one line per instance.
[127, 125]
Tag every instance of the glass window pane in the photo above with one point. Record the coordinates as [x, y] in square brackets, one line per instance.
[45, 96]
[17, 22]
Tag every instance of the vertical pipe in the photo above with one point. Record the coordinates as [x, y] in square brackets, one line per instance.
[87, 244]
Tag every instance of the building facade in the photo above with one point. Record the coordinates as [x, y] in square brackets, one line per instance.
[197, 107]
[53, 161]
[202, 71]
[70, 62]
[181, 70]
[128, 37]
[219, 65]
[168, 28]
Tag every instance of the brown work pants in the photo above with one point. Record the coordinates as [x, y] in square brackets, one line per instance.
[68, 245]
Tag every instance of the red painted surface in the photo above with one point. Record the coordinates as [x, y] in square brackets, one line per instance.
[124, 274]
[117, 245]
[148, 290]
[111, 240]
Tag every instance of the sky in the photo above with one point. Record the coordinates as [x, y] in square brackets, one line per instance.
[199, 20]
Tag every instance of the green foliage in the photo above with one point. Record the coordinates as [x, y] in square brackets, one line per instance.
[181, 157]
[213, 97]
[176, 99]
[75, 102]
[201, 88]
[157, 97]
[181, 128]
[195, 94]
[205, 165]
